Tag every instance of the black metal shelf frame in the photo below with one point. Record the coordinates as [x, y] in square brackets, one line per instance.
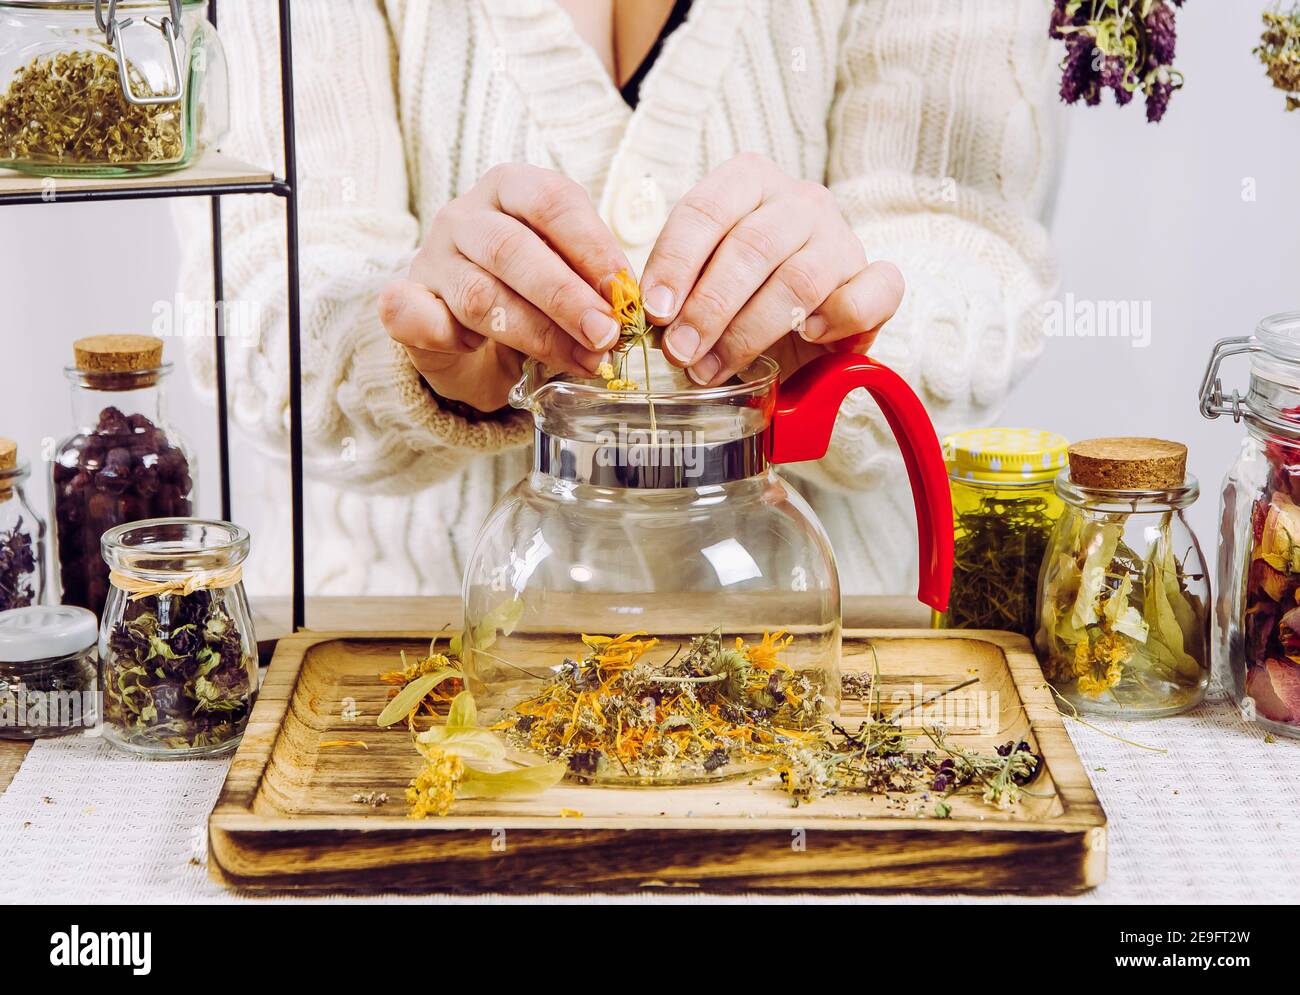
[285, 187]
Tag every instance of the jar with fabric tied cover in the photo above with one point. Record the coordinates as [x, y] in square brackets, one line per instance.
[176, 638]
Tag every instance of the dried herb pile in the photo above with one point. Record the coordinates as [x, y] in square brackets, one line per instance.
[997, 554]
[17, 567]
[610, 713]
[178, 674]
[69, 108]
[462, 759]
[720, 705]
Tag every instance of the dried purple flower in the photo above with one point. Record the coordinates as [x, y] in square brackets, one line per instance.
[1118, 46]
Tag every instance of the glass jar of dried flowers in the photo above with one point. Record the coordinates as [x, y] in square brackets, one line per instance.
[1124, 594]
[22, 536]
[1257, 610]
[107, 87]
[1004, 505]
[176, 638]
[123, 463]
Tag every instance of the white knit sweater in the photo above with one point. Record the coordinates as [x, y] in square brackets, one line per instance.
[931, 120]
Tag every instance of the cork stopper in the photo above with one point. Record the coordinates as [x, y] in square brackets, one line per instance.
[117, 353]
[1128, 464]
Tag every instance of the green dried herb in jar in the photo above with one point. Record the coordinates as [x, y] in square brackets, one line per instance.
[1004, 508]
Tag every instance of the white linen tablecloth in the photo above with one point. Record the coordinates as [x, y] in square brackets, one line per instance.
[1214, 819]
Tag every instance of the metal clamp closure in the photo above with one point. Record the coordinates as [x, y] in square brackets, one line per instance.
[1213, 401]
[170, 28]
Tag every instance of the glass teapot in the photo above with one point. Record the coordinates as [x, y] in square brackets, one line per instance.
[662, 513]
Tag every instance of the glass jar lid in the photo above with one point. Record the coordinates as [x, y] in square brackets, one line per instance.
[1004, 455]
[161, 549]
[43, 632]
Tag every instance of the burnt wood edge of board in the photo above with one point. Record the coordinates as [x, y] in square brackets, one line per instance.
[1062, 854]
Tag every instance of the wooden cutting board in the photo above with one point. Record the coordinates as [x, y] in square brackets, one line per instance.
[287, 818]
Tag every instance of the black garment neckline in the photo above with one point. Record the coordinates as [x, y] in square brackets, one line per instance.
[631, 90]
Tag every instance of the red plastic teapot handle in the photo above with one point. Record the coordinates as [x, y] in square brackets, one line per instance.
[806, 406]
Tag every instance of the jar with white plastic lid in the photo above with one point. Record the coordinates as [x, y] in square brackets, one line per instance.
[49, 671]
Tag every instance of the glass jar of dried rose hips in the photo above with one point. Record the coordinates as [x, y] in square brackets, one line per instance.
[122, 464]
[176, 639]
[22, 536]
[1256, 641]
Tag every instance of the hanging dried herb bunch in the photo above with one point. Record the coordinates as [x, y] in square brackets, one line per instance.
[1121, 45]
[69, 108]
[1279, 51]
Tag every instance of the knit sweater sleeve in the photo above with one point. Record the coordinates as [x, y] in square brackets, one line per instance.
[941, 158]
[368, 419]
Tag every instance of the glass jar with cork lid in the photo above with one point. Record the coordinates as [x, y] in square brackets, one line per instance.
[121, 464]
[22, 536]
[1123, 598]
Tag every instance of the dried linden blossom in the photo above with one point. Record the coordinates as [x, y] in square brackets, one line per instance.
[69, 108]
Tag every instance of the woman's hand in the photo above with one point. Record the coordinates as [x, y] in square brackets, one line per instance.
[510, 269]
[750, 256]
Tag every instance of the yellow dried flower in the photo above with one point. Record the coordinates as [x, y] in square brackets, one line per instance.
[1098, 665]
[627, 301]
[434, 788]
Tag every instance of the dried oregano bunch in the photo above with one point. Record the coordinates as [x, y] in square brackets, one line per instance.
[1279, 51]
[69, 108]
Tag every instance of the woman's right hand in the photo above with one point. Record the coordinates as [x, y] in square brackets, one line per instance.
[508, 270]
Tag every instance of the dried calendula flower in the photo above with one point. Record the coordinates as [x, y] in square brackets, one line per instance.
[1279, 51]
[69, 108]
[635, 332]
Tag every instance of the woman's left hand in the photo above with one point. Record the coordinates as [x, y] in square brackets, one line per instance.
[753, 261]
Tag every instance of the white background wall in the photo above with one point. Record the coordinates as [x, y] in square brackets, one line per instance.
[1145, 213]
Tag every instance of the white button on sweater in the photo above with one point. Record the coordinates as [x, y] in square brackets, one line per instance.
[932, 121]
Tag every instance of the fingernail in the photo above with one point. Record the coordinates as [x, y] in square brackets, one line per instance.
[586, 359]
[682, 341]
[599, 329]
[471, 340]
[814, 328]
[659, 300]
[705, 370]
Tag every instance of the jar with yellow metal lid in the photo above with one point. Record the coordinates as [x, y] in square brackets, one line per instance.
[1004, 506]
